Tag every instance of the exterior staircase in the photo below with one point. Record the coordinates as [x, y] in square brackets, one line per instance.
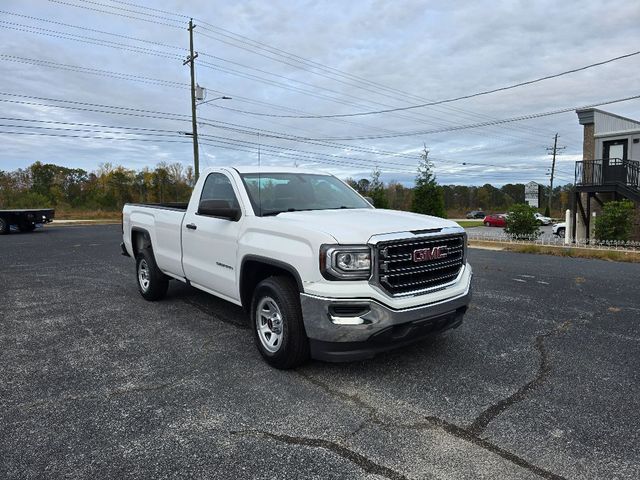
[609, 175]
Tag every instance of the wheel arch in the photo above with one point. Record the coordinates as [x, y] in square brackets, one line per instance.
[255, 268]
[140, 239]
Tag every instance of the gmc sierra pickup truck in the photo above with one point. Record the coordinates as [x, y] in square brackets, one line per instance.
[320, 272]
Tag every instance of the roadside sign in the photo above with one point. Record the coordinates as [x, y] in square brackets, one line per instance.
[532, 194]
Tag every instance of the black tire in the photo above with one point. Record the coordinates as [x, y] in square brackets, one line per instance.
[293, 347]
[487, 224]
[560, 232]
[4, 226]
[153, 284]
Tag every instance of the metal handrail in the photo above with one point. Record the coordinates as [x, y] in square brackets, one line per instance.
[594, 172]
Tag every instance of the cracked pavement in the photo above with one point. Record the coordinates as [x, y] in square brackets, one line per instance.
[541, 380]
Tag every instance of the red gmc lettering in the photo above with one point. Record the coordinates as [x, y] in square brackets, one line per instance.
[425, 254]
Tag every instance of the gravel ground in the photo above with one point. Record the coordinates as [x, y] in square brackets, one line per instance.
[541, 381]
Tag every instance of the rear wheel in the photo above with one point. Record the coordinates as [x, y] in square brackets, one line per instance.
[152, 283]
[278, 328]
[4, 226]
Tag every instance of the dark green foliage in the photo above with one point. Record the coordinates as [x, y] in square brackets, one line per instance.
[615, 222]
[376, 190]
[462, 198]
[521, 224]
[428, 196]
[547, 212]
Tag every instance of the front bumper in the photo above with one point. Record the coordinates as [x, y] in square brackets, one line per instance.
[376, 327]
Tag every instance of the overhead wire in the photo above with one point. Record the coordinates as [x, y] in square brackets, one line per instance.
[113, 42]
[142, 13]
[477, 125]
[261, 45]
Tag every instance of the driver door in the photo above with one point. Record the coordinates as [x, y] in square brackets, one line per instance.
[210, 244]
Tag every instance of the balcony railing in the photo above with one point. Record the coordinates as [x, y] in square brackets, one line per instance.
[608, 171]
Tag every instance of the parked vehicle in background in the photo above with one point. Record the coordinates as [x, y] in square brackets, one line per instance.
[496, 220]
[475, 214]
[542, 220]
[559, 229]
[319, 270]
[24, 220]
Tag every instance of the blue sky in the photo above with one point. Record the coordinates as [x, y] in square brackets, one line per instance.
[368, 55]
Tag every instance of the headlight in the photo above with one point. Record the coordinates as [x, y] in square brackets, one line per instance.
[348, 262]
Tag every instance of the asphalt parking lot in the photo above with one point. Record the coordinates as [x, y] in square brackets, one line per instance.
[541, 381]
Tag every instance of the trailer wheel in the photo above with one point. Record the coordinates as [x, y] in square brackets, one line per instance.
[152, 283]
[277, 323]
[4, 226]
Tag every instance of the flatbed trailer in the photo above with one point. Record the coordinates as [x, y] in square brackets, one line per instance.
[24, 220]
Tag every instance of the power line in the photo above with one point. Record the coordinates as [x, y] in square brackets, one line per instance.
[143, 131]
[156, 16]
[478, 125]
[93, 30]
[85, 39]
[137, 112]
[93, 71]
[117, 14]
[77, 105]
[455, 99]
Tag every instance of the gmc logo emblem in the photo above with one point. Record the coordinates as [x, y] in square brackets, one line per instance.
[425, 254]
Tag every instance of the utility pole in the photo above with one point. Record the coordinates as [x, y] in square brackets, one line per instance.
[553, 150]
[194, 122]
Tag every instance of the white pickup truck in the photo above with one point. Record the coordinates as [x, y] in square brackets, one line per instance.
[321, 272]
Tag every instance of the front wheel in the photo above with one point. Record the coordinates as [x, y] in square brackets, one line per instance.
[278, 328]
[152, 283]
[560, 232]
[487, 224]
[4, 226]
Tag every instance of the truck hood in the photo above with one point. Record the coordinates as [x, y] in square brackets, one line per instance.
[357, 226]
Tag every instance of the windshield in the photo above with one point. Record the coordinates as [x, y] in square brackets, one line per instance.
[274, 193]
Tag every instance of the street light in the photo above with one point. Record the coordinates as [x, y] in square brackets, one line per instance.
[224, 97]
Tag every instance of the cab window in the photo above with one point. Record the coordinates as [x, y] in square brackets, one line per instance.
[218, 187]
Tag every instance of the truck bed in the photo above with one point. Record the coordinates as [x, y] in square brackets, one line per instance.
[167, 205]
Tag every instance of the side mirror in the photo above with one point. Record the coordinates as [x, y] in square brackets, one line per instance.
[370, 200]
[220, 209]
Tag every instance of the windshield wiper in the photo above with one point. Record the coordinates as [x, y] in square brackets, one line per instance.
[277, 212]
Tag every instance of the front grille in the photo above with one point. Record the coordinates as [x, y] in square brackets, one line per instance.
[412, 265]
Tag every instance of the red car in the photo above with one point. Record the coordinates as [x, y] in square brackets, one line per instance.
[499, 220]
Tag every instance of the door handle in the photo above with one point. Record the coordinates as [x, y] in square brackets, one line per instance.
[192, 226]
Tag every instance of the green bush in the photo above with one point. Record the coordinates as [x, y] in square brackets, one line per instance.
[521, 224]
[615, 222]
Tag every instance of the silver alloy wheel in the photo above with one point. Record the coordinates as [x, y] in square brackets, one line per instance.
[143, 275]
[269, 324]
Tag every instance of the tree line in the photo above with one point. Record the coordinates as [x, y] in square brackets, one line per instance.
[109, 187]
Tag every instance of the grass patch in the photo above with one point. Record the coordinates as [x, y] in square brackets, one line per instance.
[87, 215]
[470, 223]
[560, 251]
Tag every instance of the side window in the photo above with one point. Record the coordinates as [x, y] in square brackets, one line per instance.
[218, 187]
